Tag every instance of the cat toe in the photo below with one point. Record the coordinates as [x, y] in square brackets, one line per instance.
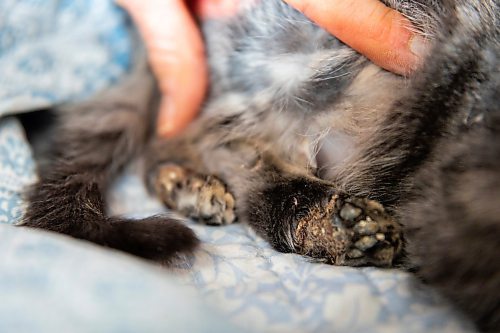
[215, 203]
[349, 231]
[375, 236]
[203, 198]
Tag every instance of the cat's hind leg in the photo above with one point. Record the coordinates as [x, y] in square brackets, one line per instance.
[202, 197]
[294, 211]
[349, 231]
[310, 217]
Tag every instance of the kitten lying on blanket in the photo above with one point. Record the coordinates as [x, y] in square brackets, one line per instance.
[297, 138]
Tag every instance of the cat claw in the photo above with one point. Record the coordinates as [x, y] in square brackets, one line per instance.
[203, 198]
[350, 231]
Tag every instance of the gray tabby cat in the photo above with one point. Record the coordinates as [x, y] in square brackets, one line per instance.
[299, 135]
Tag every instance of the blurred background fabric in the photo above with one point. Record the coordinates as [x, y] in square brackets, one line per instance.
[55, 51]
[51, 51]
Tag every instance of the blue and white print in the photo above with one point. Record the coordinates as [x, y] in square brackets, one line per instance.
[53, 51]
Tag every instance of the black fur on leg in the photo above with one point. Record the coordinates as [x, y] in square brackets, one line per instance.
[453, 225]
[92, 143]
[275, 209]
[73, 205]
[155, 237]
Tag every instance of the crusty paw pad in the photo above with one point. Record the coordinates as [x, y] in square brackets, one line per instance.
[204, 198]
[349, 231]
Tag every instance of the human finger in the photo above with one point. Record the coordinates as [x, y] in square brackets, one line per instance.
[176, 53]
[380, 33]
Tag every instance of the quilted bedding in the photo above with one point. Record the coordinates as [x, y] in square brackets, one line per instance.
[59, 50]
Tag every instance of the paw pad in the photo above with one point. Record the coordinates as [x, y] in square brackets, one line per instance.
[204, 198]
[349, 231]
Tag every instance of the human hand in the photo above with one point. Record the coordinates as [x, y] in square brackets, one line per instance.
[176, 54]
[380, 33]
[176, 51]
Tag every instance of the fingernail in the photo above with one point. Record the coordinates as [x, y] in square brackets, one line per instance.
[418, 46]
[166, 124]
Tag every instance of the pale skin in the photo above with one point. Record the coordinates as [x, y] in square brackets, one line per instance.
[176, 50]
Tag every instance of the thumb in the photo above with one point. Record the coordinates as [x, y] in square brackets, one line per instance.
[380, 33]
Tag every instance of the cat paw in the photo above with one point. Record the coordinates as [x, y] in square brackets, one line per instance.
[203, 198]
[349, 231]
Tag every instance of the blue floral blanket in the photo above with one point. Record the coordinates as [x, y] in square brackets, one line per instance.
[53, 51]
